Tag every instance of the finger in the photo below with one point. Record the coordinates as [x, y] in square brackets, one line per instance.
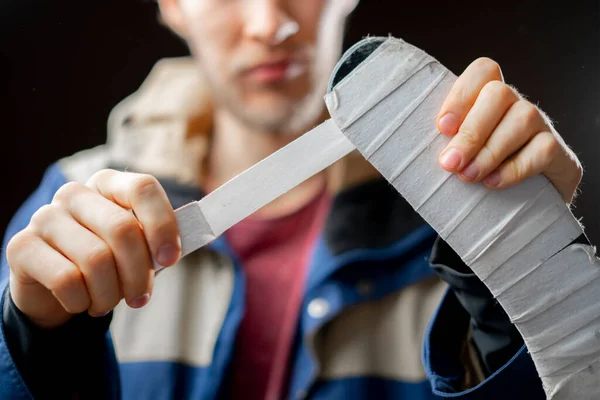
[91, 254]
[534, 158]
[493, 102]
[464, 92]
[519, 124]
[121, 231]
[145, 196]
[565, 172]
[37, 260]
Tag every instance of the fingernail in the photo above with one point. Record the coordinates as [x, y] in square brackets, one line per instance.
[97, 315]
[471, 171]
[140, 302]
[493, 179]
[451, 159]
[449, 124]
[157, 266]
[167, 254]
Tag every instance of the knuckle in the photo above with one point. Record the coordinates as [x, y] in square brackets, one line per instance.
[99, 256]
[19, 246]
[77, 307]
[491, 67]
[67, 191]
[43, 215]
[166, 225]
[124, 226]
[550, 148]
[491, 155]
[65, 279]
[105, 302]
[528, 114]
[458, 94]
[145, 185]
[468, 137]
[101, 175]
[515, 171]
[498, 89]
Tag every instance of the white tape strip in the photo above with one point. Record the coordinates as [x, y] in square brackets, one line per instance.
[203, 221]
[512, 239]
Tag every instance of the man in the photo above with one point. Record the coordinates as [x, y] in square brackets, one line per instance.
[324, 293]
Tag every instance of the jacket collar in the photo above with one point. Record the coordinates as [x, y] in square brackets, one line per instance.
[163, 128]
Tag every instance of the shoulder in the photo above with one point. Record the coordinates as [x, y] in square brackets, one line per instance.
[160, 129]
[80, 166]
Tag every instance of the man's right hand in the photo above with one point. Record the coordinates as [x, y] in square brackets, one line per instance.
[86, 250]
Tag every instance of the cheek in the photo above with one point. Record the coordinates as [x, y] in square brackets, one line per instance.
[309, 15]
[212, 28]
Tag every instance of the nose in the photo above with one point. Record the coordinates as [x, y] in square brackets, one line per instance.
[268, 22]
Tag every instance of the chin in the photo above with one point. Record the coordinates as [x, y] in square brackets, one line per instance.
[268, 116]
[280, 110]
[278, 105]
[272, 102]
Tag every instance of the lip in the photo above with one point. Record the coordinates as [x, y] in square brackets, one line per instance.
[275, 71]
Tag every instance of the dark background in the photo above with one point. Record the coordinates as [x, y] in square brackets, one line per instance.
[64, 64]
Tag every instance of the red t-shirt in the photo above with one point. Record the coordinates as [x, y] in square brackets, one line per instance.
[274, 253]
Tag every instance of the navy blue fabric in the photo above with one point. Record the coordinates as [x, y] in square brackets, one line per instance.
[225, 345]
[165, 380]
[325, 264]
[517, 379]
[492, 332]
[12, 385]
[371, 388]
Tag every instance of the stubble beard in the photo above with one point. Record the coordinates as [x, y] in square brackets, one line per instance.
[289, 119]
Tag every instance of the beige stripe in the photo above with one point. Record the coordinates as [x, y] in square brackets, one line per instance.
[82, 165]
[381, 338]
[183, 320]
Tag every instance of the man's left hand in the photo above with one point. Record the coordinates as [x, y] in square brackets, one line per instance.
[499, 137]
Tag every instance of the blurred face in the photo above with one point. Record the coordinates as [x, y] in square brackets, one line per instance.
[267, 61]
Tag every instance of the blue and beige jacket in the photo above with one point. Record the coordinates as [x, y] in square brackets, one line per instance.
[376, 320]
